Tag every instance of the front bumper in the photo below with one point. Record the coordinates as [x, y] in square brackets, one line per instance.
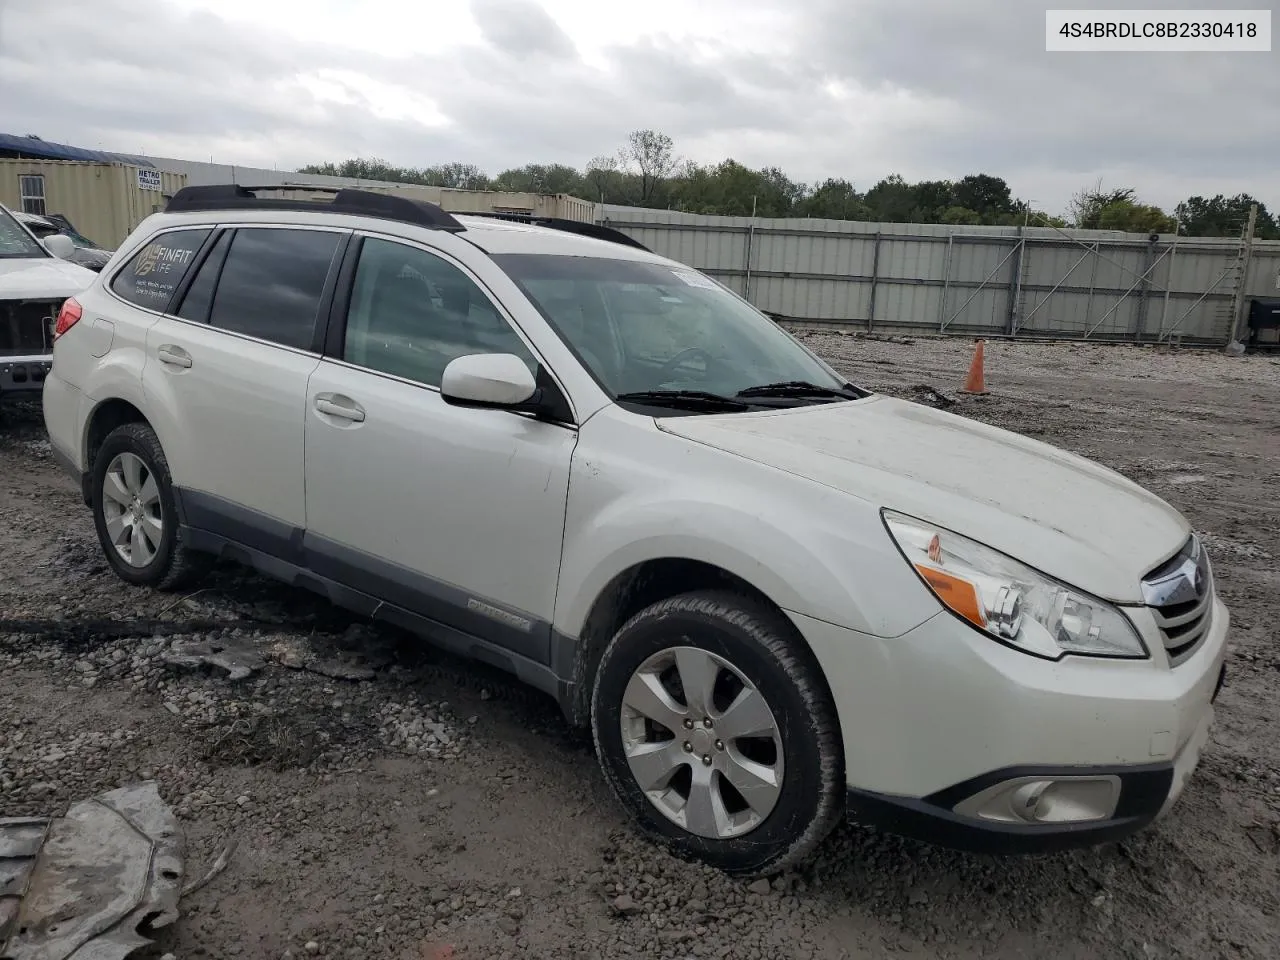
[25, 374]
[1146, 792]
[935, 721]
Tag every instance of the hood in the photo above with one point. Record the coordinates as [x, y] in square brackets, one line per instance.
[42, 278]
[1062, 514]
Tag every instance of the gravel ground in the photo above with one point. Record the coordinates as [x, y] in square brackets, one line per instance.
[387, 801]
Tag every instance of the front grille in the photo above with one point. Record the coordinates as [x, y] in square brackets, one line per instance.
[1180, 595]
[26, 326]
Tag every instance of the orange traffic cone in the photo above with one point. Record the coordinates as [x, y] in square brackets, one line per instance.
[976, 381]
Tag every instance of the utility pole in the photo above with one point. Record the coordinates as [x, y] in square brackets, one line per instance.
[1242, 281]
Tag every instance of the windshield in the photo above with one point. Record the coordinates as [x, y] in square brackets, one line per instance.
[641, 327]
[16, 242]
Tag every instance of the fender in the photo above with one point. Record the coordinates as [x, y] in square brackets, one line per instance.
[638, 495]
[117, 376]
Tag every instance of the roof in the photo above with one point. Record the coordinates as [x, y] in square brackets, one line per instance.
[47, 150]
[503, 236]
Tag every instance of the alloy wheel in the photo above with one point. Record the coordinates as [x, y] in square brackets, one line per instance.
[132, 510]
[702, 742]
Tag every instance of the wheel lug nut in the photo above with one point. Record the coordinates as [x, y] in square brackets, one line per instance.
[719, 744]
[688, 747]
[706, 760]
[706, 722]
[688, 724]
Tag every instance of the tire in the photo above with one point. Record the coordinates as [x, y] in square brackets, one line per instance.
[132, 454]
[753, 651]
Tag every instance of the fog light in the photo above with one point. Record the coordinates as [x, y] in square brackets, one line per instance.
[1045, 800]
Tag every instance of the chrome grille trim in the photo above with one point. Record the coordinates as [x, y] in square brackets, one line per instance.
[1179, 594]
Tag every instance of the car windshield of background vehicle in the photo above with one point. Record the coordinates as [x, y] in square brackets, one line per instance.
[648, 328]
[15, 242]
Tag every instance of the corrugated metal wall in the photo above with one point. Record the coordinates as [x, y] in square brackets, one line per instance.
[965, 279]
[104, 201]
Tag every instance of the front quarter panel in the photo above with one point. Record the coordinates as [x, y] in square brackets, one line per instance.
[637, 494]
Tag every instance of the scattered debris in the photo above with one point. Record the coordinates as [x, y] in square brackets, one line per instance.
[236, 656]
[923, 393]
[219, 865]
[88, 884]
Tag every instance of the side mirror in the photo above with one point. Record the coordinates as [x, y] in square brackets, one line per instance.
[60, 246]
[488, 380]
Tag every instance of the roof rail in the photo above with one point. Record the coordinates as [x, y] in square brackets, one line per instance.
[364, 203]
[595, 230]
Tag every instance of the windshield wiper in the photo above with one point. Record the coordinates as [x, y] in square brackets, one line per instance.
[798, 388]
[682, 398]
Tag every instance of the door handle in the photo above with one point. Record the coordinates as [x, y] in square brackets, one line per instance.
[172, 355]
[336, 405]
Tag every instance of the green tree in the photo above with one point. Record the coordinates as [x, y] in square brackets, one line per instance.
[891, 200]
[1222, 216]
[541, 178]
[985, 194]
[649, 156]
[602, 174]
[833, 199]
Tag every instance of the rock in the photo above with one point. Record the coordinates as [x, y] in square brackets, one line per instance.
[311, 946]
[626, 906]
[508, 926]
[760, 886]
[340, 670]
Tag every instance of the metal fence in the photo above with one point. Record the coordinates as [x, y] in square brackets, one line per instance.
[989, 281]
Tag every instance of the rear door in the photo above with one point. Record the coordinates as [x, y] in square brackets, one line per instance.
[227, 372]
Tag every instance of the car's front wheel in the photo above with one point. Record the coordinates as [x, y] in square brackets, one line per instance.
[135, 514]
[713, 726]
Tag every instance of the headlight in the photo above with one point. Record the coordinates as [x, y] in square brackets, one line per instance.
[1010, 601]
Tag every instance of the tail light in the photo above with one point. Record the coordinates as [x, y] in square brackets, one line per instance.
[68, 316]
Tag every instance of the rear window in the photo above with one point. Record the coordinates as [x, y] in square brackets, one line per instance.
[154, 272]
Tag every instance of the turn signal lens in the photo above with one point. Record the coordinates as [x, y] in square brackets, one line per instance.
[960, 595]
[68, 317]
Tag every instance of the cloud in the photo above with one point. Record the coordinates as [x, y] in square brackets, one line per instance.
[852, 88]
[521, 29]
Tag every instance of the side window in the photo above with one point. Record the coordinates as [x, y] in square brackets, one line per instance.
[198, 299]
[271, 284]
[412, 313]
[149, 279]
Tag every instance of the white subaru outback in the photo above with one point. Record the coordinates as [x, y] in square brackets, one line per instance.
[775, 598]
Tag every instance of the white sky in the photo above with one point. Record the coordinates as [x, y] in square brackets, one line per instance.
[849, 88]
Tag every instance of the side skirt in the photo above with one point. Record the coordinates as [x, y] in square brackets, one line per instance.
[448, 638]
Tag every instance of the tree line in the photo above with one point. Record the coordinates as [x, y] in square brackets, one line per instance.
[646, 172]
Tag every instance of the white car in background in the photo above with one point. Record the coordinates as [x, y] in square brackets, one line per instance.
[35, 279]
[774, 597]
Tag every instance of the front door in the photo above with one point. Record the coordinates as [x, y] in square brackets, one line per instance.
[455, 514]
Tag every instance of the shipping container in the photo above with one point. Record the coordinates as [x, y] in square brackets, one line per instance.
[104, 201]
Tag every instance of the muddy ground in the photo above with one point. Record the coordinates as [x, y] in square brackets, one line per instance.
[437, 805]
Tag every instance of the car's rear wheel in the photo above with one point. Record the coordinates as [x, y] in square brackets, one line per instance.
[135, 513]
[713, 726]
